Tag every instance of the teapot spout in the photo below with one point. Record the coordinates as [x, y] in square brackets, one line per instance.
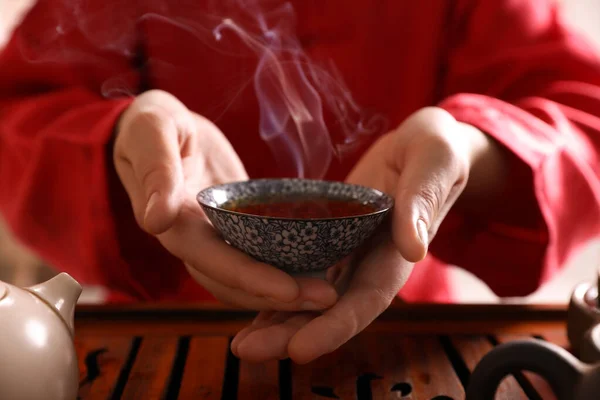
[61, 293]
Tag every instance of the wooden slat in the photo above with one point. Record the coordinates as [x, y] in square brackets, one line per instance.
[149, 376]
[539, 384]
[205, 367]
[472, 348]
[557, 336]
[380, 367]
[400, 310]
[401, 350]
[101, 360]
[330, 376]
[431, 372]
[232, 327]
[410, 318]
[389, 364]
[259, 381]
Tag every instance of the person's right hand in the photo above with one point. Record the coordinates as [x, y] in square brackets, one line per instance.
[164, 154]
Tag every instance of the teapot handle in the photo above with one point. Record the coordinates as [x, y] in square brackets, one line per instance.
[559, 367]
[590, 345]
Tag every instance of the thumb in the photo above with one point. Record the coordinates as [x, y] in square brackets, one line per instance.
[151, 146]
[413, 216]
[427, 188]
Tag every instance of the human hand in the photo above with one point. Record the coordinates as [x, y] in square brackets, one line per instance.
[424, 164]
[164, 154]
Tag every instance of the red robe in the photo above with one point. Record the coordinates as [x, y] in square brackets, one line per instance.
[508, 67]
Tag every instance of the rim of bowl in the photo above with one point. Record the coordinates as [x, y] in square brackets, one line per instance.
[385, 196]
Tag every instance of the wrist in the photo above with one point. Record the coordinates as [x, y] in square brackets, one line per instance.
[488, 169]
[477, 142]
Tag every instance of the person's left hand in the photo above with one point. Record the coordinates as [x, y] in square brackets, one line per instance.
[424, 164]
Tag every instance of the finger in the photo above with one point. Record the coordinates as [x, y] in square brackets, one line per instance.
[333, 273]
[133, 189]
[431, 180]
[194, 240]
[314, 294]
[262, 320]
[149, 142]
[270, 341]
[375, 284]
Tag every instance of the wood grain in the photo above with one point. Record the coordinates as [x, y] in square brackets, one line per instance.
[425, 353]
[558, 336]
[380, 367]
[397, 310]
[430, 370]
[330, 376]
[536, 382]
[472, 348]
[204, 369]
[101, 360]
[149, 376]
[259, 381]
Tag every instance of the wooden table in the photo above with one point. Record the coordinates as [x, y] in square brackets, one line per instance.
[410, 352]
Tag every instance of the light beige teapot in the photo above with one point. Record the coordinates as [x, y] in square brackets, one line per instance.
[36, 340]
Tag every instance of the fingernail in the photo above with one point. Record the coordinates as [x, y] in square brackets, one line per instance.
[422, 231]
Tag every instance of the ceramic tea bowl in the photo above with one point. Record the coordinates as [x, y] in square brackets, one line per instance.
[297, 225]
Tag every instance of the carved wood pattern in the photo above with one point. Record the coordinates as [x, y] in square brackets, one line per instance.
[380, 363]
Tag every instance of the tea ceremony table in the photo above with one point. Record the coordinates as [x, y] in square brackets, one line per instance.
[420, 352]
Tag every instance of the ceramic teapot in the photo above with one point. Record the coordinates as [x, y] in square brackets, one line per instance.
[573, 375]
[570, 378]
[36, 340]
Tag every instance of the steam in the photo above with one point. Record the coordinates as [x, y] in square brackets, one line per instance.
[291, 118]
[294, 93]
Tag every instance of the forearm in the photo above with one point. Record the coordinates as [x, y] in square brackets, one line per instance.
[543, 205]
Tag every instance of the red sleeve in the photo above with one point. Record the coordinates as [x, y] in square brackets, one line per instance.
[516, 72]
[55, 129]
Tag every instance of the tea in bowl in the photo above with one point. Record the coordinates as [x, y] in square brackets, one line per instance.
[297, 225]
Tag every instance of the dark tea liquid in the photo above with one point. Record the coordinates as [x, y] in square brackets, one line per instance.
[303, 207]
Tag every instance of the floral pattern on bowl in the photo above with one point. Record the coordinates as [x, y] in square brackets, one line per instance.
[292, 244]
